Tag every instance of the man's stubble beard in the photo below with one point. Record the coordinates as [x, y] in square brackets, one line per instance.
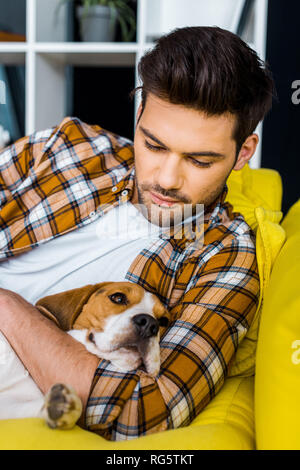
[175, 216]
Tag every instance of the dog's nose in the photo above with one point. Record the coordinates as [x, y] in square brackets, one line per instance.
[146, 325]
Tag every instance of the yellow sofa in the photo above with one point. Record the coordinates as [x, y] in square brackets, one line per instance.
[277, 399]
[249, 410]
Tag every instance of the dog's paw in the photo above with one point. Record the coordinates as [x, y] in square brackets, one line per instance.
[62, 407]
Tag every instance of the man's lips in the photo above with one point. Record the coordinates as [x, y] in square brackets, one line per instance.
[161, 201]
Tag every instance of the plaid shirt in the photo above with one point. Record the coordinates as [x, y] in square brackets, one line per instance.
[55, 181]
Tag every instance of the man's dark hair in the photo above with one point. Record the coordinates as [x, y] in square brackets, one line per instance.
[211, 70]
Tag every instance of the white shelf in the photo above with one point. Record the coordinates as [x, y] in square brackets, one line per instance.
[94, 54]
[95, 47]
[46, 51]
[68, 47]
[71, 47]
[8, 47]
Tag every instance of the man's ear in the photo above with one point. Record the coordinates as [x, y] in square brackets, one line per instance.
[247, 150]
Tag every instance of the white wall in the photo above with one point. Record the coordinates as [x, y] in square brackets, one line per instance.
[51, 22]
[165, 15]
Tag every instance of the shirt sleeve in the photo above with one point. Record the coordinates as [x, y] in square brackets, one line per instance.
[197, 350]
[18, 159]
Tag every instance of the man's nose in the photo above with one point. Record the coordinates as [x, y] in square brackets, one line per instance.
[145, 325]
[169, 174]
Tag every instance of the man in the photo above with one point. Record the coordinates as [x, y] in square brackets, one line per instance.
[204, 92]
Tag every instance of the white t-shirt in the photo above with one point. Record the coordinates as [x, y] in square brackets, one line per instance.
[101, 251]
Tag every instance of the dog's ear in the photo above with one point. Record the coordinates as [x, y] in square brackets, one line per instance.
[64, 308]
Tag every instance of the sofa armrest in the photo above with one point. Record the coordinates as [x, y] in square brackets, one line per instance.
[277, 405]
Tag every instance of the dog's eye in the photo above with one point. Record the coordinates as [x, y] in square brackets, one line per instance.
[163, 321]
[119, 298]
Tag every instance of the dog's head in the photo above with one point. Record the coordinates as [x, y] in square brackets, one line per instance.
[116, 318]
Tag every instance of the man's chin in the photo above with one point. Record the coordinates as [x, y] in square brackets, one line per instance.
[164, 217]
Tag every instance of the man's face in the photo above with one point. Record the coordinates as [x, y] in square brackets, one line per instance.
[180, 154]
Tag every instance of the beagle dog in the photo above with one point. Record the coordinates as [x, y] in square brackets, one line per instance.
[117, 321]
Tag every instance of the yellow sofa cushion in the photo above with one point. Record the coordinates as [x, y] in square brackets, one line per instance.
[277, 404]
[256, 194]
[226, 423]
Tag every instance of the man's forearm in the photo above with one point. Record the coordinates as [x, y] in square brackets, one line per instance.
[49, 354]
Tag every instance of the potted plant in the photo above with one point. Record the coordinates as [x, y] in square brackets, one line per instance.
[98, 19]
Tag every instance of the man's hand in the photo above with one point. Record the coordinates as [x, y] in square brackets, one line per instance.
[48, 353]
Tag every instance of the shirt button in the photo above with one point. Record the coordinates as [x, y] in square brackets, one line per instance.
[114, 189]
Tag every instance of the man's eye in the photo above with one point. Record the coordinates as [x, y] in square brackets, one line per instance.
[119, 298]
[155, 148]
[202, 164]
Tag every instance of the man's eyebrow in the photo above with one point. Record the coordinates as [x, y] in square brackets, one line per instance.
[148, 134]
[205, 153]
